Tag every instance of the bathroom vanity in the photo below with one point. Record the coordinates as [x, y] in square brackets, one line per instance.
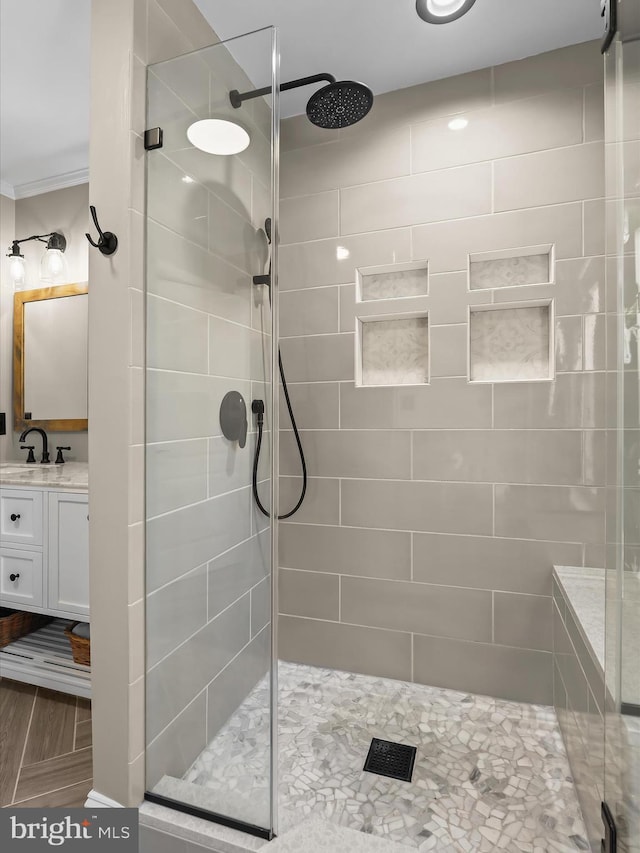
[44, 568]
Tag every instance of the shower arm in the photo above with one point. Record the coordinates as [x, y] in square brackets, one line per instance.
[237, 97]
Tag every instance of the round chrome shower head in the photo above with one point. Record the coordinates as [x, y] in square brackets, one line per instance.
[339, 104]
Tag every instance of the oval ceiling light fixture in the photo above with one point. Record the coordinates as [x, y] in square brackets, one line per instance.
[458, 123]
[218, 136]
[442, 11]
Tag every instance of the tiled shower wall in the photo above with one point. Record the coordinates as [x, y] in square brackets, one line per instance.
[208, 549]
[435, 512]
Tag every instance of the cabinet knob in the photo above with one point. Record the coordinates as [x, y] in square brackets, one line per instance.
[14, 516]
[14, 577]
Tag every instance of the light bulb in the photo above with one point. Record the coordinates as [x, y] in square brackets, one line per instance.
[442, 11]
[53, 268]
[218, 136]
[16, 271]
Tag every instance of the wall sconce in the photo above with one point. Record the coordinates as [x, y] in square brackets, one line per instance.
[53, 267]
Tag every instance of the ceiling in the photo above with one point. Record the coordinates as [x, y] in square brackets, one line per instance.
[45, 60]
[44, 93]
[386, 45]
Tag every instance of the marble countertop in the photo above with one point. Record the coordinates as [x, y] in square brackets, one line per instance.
[584, 592]
[71, 476]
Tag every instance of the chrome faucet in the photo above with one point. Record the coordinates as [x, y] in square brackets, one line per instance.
[45, 442]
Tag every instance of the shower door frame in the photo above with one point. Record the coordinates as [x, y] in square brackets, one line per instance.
[159, 799]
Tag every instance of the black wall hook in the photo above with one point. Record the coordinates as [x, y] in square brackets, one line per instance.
[107, 242]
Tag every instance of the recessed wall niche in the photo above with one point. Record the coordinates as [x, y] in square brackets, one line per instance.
[394, 281]
[511, 343]
[392, 350]
[511, 268]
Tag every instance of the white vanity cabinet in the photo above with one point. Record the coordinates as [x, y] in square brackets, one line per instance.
[44, 551]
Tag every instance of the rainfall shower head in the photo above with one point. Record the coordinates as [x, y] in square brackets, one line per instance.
[339, 104]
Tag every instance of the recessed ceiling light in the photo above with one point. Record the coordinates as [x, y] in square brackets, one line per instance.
[218, 136]
[458, 123]
[442, 11]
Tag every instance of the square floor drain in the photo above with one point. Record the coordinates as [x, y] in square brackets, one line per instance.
[387, 758]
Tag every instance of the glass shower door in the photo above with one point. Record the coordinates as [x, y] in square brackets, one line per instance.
[622, 717]
[210, 681]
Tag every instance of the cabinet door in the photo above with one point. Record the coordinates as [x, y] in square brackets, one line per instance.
[21, 517]
[20, 578]
[69, 552]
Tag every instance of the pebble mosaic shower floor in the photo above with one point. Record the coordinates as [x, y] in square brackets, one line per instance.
[489, 774]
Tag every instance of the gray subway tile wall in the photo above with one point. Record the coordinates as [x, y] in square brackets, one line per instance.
[436, 512]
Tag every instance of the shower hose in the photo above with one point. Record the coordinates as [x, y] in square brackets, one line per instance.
[257, 407]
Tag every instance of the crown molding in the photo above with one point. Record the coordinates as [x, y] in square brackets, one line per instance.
[47, 185]
[7, 190]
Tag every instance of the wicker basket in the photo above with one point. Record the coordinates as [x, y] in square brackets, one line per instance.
[80, 646]
[17, 623]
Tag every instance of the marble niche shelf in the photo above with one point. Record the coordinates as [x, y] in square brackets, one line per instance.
[392, 350]
[511, 342]
[393, 281]
[511, 268]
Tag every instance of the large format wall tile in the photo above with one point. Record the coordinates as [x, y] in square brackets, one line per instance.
[232, 686]
[346, 550]
[310, 594]
[176, 475]
[486, 562]
[421, 608]
[551, 121]
[521, 674]
[322, 500]
[522, 620]
[318, 358]
[309, 217]
[174, 613]
[447, 244]
[344, 162]
[349, 453]
[192, 666]
[182, 272]
[549, 177]
[428, 197]
[176, 337]
[315, 405]
[323, 262]
[578, 65]
[187, 538]
[437, 507]
[499, 456]
[444, 404]
[176, 748]
[560, 513]
[313, 311]
[346, 647]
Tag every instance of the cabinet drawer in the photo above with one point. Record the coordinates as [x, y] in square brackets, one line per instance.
[25, 567]
[20, 517]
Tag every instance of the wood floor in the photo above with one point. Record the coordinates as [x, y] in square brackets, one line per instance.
[45, 747]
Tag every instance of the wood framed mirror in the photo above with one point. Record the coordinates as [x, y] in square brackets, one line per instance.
[50, 327]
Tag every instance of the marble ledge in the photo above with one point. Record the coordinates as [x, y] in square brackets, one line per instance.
[584, 591]
[70, 477]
